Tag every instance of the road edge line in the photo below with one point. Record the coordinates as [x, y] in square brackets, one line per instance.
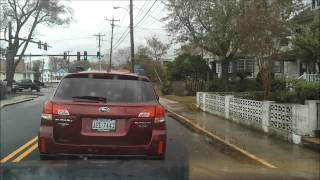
[213, 136]
[21, 148]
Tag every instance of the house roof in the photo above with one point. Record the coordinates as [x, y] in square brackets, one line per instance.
[61, 70]
[21, 67]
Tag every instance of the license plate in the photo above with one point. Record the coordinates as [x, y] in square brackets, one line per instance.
[104, 125]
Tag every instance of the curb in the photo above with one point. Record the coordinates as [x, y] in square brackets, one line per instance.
[187, 122]
[17, 102]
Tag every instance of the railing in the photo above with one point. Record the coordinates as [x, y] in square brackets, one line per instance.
[310, 77]
[290, 121]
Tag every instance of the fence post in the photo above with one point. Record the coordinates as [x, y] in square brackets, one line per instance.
[198, 99]
[227, 106]
[313, 124]
[266, 115]
[204, 101]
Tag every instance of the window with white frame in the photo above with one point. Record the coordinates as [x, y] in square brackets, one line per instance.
[218, 67]
[277, 67]
[245, 65]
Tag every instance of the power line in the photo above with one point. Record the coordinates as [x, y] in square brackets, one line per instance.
[125, 34]
[152, 18]
[146, 13]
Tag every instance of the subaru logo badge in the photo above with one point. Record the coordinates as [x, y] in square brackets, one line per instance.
[104, 109]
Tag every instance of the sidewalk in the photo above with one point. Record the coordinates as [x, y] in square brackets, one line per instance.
[283, 155]
[16, 99]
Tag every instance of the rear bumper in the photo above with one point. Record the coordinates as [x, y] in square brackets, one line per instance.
[47, 146]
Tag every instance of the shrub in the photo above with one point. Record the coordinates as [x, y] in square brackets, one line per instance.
[307, 90]
[257, 96]
[278, 85]
[166, 88]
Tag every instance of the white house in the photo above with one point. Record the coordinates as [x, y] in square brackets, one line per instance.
[48, 76]
[290, 67]
[23, 71]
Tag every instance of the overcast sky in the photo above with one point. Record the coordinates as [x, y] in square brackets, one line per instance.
[89, 18]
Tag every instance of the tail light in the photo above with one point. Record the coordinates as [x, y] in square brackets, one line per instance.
[46, 116]
[153, 112]
[159, 115]
[161, 147]
[50, 109]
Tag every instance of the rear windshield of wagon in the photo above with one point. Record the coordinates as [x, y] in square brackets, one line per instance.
[114, 90]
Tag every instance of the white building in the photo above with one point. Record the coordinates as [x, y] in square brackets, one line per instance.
[48, 76]
[23, 71]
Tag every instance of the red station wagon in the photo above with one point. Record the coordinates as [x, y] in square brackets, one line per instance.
[109, 114]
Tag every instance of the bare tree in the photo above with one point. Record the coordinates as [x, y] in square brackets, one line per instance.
[157, 49]
[57, 63]
[122, 55]
[36, 67]
[76, 65]
[211, 24]
[23, 17]
[267, 24]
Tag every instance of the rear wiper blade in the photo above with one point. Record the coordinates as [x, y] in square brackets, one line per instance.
[94, 98]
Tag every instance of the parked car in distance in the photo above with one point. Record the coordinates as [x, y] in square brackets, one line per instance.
[106, 114]
[39, 83]
[27, 84]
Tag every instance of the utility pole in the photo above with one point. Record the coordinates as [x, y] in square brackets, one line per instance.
[68, 52]
[99, 45]
[112, 26]
[131, 36]
[42, 69]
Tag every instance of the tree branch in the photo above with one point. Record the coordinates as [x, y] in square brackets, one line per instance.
[34, 24]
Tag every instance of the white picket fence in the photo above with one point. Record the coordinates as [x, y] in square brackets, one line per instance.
[290, 121]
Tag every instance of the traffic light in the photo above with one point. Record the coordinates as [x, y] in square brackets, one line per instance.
[65, 55]
[85, 55]
[98, 54]
[39, 44]
[45, 46]
[78, 56]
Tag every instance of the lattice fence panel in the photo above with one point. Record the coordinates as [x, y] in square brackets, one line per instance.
[281, 117]
[245, 109]
[215, 103]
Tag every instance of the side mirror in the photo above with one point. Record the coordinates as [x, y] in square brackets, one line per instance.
[158, 97]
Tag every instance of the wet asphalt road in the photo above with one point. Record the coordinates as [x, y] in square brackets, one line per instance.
[188, 155]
